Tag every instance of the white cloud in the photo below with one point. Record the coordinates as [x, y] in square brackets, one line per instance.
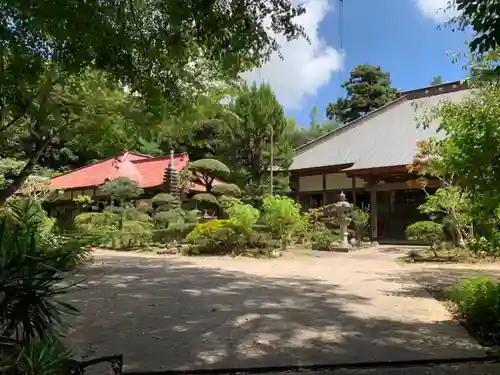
[436, 10]
[305, 67]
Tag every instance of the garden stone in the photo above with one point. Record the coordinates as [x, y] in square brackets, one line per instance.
[275, 253]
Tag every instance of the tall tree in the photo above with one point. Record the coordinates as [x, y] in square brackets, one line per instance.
[201, 131]
[86, 110]
[437, 80]
[316, 129]
[259, 117]
[468, 154]
[167, 51]
[368, 88]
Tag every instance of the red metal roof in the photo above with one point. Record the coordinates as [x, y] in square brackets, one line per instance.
[146, 170]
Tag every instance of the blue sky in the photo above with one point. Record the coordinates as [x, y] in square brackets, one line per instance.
[401, 36]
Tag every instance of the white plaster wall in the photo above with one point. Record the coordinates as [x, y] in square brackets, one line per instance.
[337, 181]
[311, 183]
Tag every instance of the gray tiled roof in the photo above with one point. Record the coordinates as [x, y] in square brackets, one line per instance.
[386, 137]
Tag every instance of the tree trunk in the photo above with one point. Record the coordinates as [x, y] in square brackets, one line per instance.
[24, 174]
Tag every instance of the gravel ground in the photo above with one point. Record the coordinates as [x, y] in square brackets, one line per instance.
[186, 313]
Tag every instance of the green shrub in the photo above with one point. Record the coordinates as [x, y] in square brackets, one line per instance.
[322, 239]
[224, 237]
[260, 240]
[478, 301]
[215, 237]
[33, 266]
[479, 246]
[429, 232]
[243, 216]
[116, 227]
[281, 216]
[206, 229]
[360, 219]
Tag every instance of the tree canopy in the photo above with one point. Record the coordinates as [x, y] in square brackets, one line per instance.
[468, 155]
[153, 47]
[302, 135]
[162, 54]
[437, 80]
[483, 17]
[368, 88]
[257, 116]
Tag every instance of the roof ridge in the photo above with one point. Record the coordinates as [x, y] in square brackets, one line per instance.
[155, 158]
[432, 90]
[348, 125]
[139, 154]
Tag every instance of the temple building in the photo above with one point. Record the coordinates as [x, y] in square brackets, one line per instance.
[147, 171]
[367, 159]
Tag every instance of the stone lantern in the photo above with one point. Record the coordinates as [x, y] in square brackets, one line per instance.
[341, 212]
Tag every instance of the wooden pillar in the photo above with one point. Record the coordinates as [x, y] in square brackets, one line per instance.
[354, 190]
[324, 189]
[373, 213]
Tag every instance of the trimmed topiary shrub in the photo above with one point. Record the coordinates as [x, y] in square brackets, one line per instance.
[428, 232]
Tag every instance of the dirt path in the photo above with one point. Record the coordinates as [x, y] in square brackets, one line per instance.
[185, 313]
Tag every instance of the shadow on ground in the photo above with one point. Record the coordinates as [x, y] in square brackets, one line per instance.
[164, 314]
[436, 281]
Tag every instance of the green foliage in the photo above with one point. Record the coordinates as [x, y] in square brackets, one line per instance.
[360, 219]
[243, 217]
[437, 80]
[231, 236]
[206, 198]
[247, 152]
[117, 227]
[429, 232]
[82, 199]
[467, 155]
[368, 88]
[322, 239]
[281, 215]
[32, 266]
[56, 115]
[164, 199]
[212, 167]
[207, 170]
[231, 190]
[303, 135]
[137, 46]
[451, 203]
[172, 223]
[214, 237]
[205, 229]
[122, 189]
[482, 17]
[478, 301]
[9, 167]
[479, 246]
[37, 357]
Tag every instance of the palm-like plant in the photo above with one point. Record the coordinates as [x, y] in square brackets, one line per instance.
[32, 268]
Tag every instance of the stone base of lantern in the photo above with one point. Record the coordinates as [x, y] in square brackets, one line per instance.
[340, 248]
